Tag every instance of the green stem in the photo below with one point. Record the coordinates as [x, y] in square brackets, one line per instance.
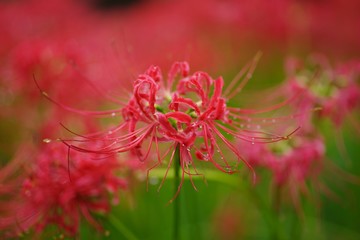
[268, 215]
[121, 228]
[276, 208]
[176, 202]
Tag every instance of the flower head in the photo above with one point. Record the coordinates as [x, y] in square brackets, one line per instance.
[60, 191]
[334, 90]
[188, 112]
[293, 163]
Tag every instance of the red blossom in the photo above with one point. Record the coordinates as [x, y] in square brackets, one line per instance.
[185, 111]
[292, 163]
[333, 90]
[60, 189]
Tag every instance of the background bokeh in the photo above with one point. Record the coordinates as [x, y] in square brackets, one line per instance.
[83, 52]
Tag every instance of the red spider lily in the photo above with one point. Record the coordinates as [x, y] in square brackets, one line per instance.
[189, 112]
[292, 163]
[60, 191]
[335, 90]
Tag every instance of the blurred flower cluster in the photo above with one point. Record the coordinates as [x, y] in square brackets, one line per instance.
[88, 115]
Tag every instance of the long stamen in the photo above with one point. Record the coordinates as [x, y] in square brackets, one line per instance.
[236, 79]
[233, 149]
[98, 90]
[253, 138]
[247, 77]
[97, 135]
[109, 113]
[168, 167]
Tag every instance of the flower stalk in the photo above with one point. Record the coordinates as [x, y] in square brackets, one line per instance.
[177, 200]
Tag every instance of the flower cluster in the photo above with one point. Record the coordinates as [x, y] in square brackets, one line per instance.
[335, 91]
[323, 92]
[292, 163]
[60, 191]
